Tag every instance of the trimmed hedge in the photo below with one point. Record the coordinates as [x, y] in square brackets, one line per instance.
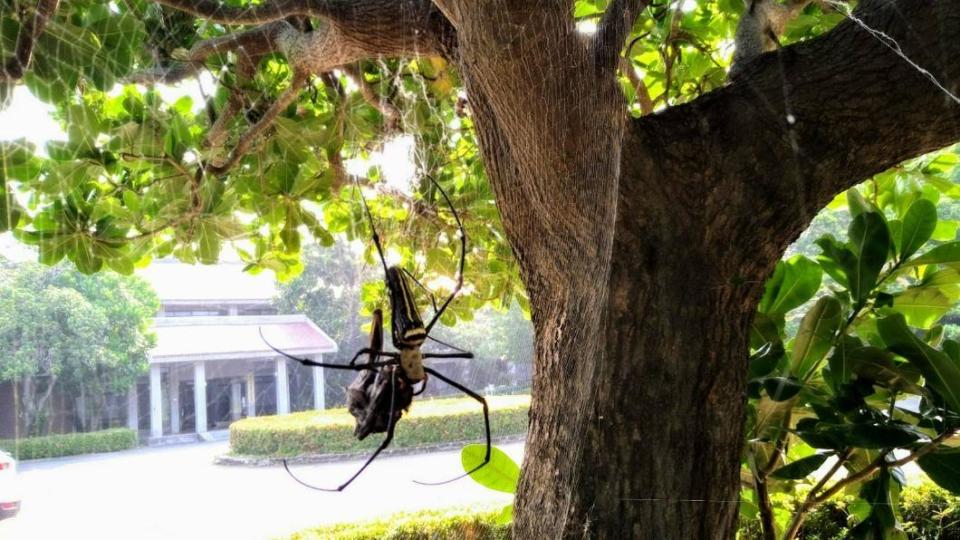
[427, 525]
[431, 421]
[71, 444]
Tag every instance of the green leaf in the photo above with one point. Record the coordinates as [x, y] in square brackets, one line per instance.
[766, 359]
[836, 259]
[208, 243]
[922, 306]
[878, 366]
[943, 254]
[815, 335]
[943, 467]
[501, 474]
[793, 282]
[800, 468]
[763, 330]
[857, 204]
[918, 226]
[882, 522]
[782, 388]
[870, 241]
[940, 372]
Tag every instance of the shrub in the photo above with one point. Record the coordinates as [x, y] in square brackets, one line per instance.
[930, 512]
[109, 440]
[927, 512]
[426, 525]
[331, 431]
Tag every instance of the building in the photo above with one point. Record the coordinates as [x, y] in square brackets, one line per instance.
[211, 366]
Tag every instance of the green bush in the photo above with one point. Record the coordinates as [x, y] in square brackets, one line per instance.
[927, 512]
[427, 525]
[931, 513]
[109, 440]
[331, 431]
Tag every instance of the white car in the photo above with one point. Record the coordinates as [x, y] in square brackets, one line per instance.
[9, 486]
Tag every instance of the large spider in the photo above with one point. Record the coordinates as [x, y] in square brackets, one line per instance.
[384, 389]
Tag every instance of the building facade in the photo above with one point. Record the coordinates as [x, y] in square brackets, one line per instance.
[214, 361]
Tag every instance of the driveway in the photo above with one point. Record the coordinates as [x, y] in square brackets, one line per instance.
[176, 492]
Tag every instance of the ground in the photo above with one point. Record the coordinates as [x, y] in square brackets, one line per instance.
[176, 492]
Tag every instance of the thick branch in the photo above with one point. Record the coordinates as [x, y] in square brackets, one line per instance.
[255, 42]
[372, 27]
[34, 21]
[614, 29]
[808, 121]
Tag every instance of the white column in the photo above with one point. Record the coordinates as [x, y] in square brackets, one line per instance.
[156, 403]
[173, 382]
[283, 388]
[200, 396]
[318, 397]
[251, 395]
[235, 400]
[133, 408]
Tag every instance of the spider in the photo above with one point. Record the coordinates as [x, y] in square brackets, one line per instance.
[384, 389]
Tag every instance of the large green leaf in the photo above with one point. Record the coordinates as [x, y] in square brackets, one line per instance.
[918, 226]
[782, 388]
[943, 254]
[793, 282]
[881, 524]
[943, 467]
[940, 372]
[800, 468]
[815, 335]
[870, 242]
[922, 306]
[501, 474]
[878, 366]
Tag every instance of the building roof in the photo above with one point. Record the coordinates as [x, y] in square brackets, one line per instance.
[176, 282]
[185, 339]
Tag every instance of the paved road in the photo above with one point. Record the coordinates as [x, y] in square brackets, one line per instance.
[176, 492]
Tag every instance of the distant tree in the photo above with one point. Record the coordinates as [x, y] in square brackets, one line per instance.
[60, 329]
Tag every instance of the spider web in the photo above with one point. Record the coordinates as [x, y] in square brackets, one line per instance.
[150, 142]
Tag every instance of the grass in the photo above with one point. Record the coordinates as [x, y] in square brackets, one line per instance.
[330, 431]
[425, 525]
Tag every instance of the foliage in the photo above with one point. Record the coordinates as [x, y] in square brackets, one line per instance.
[71, 444]
[424, 525]
[867, 370]
[126, 184]
[59, 328]
[331, 431]
[928, 513]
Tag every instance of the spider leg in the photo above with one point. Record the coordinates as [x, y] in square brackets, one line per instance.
[463, 256]
[463, 354]
[486, 423]
[376, 236]
[394, 359]
[454, 347]
[433, 299]
[391, 424]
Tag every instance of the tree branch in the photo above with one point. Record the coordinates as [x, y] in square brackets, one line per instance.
[33, 22]
[391, 114]
[811, 120]
[255, 42]
[250, 136]
[614, 29]
[373, 27]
